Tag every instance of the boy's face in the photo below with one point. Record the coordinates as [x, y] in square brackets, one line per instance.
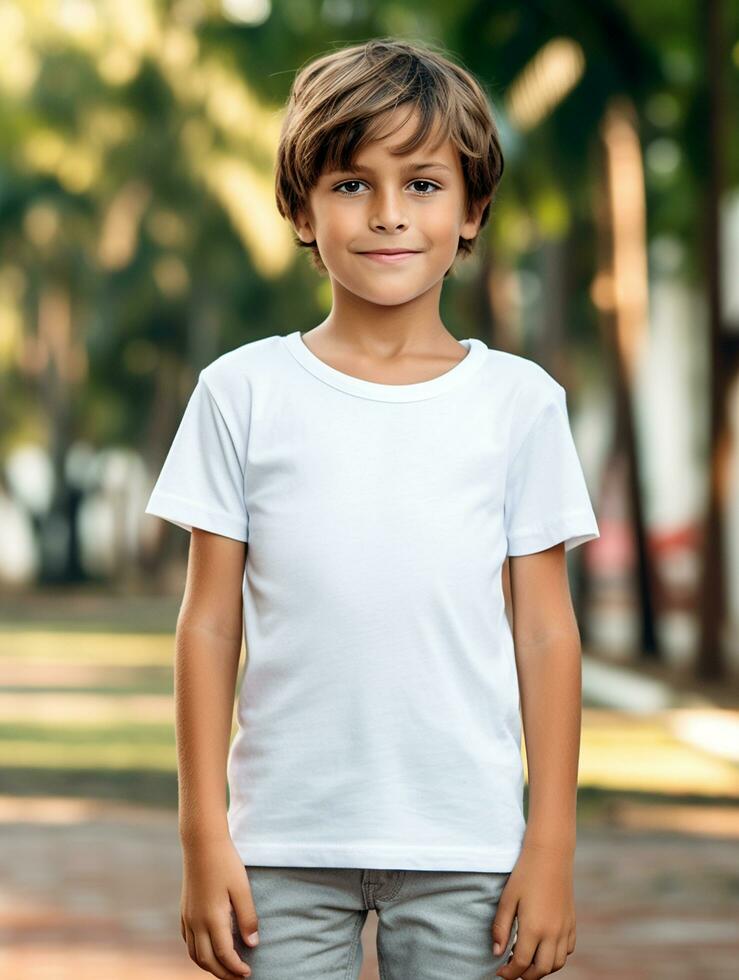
[390, 202]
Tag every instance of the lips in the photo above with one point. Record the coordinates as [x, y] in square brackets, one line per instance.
[388, 257]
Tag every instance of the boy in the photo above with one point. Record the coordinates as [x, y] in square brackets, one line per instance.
[354, 492]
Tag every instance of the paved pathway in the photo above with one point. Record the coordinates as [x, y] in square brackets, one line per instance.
[90, 889]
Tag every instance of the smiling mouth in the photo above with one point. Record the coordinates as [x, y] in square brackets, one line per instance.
[388, 256]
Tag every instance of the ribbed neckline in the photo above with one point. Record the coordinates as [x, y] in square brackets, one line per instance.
[390, 393]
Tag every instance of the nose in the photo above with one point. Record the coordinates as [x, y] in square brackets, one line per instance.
[383, 226]
[389, 215]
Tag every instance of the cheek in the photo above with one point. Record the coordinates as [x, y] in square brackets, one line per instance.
[336, 224]
[442, 221]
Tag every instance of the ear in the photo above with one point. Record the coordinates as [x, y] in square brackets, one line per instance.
[303, 225]
[472, 225]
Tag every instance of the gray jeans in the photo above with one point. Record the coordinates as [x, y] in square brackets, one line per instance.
[432, 925]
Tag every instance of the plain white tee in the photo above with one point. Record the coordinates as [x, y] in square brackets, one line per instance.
[378, 718]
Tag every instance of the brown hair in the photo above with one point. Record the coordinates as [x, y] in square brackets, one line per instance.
[334, 107]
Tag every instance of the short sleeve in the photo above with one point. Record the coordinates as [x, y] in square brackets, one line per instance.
[201, 483]
[546, 497]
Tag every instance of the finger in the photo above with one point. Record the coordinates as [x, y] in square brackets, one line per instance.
[222, 941]
[523, 953]
[542, 962]
[244, 918]
[190, 940]
[560, 957]
[501, 928]
[208, 960]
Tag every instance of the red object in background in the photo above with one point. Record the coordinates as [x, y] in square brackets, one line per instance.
[676, 553]
[612, 554]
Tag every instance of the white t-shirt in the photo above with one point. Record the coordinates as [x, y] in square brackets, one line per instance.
[378, 719]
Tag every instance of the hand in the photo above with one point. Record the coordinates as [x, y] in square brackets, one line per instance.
[216, 905]
[539, 893]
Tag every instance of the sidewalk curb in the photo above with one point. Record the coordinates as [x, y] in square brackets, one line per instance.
[620, 687]
[692, 719]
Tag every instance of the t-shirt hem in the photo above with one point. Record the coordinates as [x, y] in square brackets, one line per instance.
[186, 514]
[573, 529]
[378, 856]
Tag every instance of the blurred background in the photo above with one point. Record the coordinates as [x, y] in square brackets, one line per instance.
[139, 239]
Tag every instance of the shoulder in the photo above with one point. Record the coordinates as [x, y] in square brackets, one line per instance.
[526, 385]
[528, 396]
[242, 365]
[239, 380]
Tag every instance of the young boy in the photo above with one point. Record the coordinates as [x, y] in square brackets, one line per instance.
[352, 494]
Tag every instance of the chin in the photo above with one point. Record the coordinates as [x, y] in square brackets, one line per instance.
[389, 294]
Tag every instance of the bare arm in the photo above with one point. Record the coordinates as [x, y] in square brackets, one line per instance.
[539, 892]
[216, 895]
[208, 644]
[547, 646]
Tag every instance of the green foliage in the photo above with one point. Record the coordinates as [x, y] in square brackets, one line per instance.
[113, 199]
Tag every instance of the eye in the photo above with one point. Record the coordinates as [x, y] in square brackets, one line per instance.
[428, 183]
[346, 193]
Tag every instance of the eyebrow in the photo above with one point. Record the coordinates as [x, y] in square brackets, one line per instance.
[410, 166]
